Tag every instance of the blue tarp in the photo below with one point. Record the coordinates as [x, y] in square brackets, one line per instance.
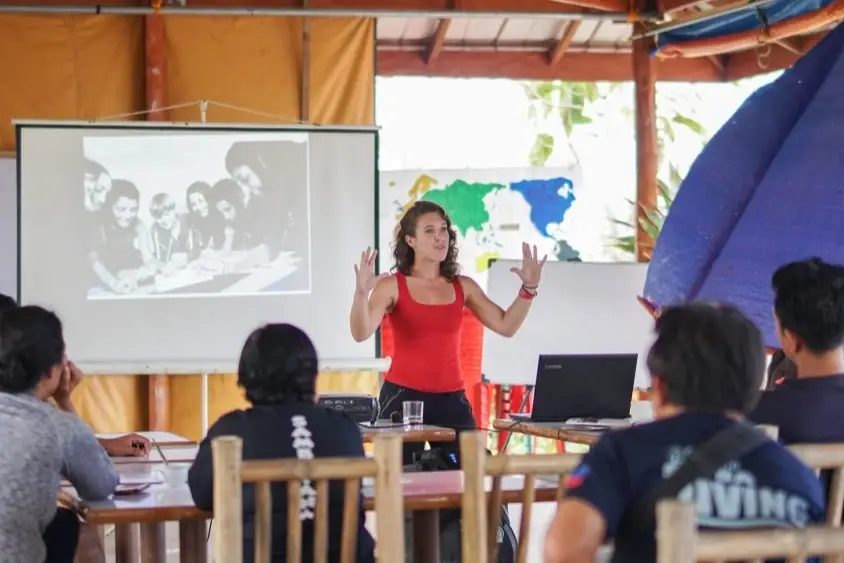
[744, 20]
[766, 190]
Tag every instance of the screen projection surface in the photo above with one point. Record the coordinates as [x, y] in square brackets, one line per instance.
[169, 244]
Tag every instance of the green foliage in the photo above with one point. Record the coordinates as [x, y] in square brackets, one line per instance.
[575, 104]
[651, 220]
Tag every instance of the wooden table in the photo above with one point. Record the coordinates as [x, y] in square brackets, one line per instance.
[425, 494]
[423, 433]
[551, 430]
[160, 503]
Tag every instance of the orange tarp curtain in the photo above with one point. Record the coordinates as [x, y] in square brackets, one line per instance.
[86, 67]
[68, 67]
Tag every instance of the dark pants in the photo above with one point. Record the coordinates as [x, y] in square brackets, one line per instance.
[62, 537]
[451, 410]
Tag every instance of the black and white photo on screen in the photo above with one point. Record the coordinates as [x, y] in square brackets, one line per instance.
[190, 214]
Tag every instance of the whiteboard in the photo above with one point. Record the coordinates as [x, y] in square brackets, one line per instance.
[582, 308]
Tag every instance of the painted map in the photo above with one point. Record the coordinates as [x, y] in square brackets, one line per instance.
[493, 211]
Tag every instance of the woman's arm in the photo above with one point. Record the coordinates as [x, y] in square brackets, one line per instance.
[228, 239]
[85, 463]
[506, 323]
[368, 311]
[108, 279]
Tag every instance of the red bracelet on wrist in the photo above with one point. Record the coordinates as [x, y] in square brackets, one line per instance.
[525, 293]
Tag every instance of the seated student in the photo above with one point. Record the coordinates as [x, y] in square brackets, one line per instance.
[809, 314]
[706, 364]
[128, 445]
[39, 443]
[278, 370]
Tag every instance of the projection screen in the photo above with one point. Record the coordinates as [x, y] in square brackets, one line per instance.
[167, 244]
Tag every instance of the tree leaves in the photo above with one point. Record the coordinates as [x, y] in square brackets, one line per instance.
[577, 104]
[541, 150]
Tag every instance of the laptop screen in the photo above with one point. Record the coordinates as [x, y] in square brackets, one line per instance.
[584, 386]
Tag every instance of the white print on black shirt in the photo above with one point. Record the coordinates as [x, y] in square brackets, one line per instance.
[304, 446]
[732, 498]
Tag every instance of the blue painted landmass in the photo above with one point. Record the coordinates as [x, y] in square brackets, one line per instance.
[549, 200]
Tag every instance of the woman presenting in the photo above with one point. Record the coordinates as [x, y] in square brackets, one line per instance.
[424, 298]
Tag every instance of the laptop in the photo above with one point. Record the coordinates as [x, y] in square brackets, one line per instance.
[589, 389]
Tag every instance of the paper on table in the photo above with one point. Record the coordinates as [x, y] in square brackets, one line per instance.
[185, 454]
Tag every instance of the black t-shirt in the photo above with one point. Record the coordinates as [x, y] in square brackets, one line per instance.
[809, 410]
[298, 430]
[767, 487]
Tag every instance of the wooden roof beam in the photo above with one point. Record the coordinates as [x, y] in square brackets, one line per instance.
[601, 5]
[438, 41]
[670, 6]
[786, 29]
[562, 44]
[794, 45]
[533, 65]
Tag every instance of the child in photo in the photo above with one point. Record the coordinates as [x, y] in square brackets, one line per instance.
[172, 241]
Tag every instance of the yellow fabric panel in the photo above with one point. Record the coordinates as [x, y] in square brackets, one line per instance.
[68, 67]
[224, 395]
[186, 406]
[348, 382]
[112, 403]
[247, 62]
[342, 71]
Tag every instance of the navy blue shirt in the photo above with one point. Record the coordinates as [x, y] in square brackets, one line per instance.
[295, 430]
[809, 410]
[768, 487]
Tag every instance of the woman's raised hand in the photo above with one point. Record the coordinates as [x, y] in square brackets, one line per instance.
[531, 269]
[365, 272]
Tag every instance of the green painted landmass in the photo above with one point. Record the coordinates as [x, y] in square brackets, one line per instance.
[464, 203]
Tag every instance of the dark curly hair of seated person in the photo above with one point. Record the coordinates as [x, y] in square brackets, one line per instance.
[7, 303]
[809, 303]
[31, 344]
[278, 364]
[709, 358]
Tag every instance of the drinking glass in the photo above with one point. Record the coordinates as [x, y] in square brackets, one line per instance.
[412, 413]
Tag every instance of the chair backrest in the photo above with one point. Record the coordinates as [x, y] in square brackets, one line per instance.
[481, 518]
[231, 473]
[679, 541]
[827, 457]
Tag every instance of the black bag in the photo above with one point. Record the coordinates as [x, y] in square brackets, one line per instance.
[704, 461]
[450, 529]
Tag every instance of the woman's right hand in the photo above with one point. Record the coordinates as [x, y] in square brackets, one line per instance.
[366, 279]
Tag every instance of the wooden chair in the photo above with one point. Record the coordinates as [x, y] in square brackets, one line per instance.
[481, 518]
[231, 472]
[827, 457]
[679, 541]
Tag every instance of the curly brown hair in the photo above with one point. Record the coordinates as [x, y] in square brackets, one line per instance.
[404, 254]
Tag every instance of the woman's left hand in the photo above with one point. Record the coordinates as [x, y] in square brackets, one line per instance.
[531, 269]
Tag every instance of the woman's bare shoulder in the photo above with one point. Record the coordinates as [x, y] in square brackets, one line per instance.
[388, 283]
[468, 283]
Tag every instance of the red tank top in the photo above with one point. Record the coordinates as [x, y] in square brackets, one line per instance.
[427, 342]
